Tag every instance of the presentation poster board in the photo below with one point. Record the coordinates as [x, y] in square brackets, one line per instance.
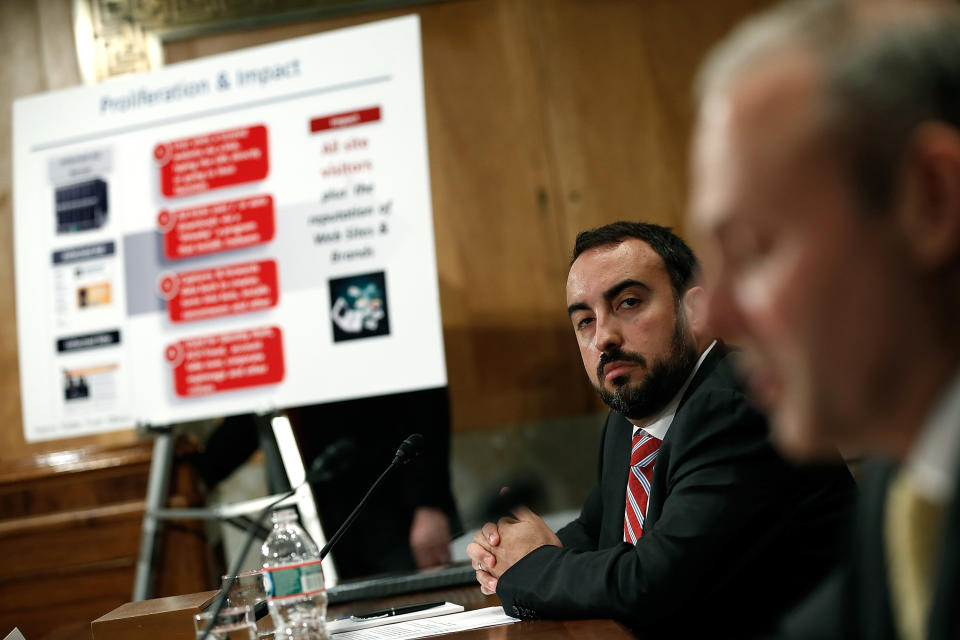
[239, 233]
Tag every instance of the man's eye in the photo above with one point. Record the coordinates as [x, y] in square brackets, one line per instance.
[746, 249]
[583, 322]
[630, 303]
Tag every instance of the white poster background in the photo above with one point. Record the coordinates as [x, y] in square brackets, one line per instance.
[108, 132]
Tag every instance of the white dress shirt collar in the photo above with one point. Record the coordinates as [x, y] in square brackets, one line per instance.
[661, 423]
[934, 462]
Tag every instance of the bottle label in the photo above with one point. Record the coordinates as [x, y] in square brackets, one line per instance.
[302, 578]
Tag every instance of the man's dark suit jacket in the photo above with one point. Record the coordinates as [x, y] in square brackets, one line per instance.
[855, 602]
[734, 535]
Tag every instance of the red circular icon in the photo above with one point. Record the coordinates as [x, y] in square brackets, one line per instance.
[168, 285]
[160, 151]
[173, 353]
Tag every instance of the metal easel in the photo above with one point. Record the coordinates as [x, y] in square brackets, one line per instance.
[285, 455]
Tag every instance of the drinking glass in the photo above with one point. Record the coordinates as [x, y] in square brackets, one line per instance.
[247, 588]
[233, 623]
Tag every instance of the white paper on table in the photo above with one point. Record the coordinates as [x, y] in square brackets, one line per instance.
[352, 624]
[15, 635]
[426, 627]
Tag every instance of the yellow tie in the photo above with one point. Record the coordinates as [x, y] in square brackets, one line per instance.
[912, 528]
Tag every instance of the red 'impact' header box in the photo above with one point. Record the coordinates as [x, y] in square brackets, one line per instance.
[220, 291]
[221, 159]
[226, 361]
[346, 119]
[216, 227]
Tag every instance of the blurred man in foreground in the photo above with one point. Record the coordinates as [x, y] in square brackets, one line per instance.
[826, 193]
[695, 520]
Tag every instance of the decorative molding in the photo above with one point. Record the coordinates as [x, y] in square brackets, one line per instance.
[117, 37]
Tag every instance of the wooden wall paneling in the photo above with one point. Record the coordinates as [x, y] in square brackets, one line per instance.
[602, 113]
[618, 95]
[181, 50]
[496, 208]
[99, 535]
[676, 37]
[53, 495]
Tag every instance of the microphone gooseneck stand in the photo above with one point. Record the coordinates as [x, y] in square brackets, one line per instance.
[408, 450]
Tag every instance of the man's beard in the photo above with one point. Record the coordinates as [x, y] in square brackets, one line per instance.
[662, 383]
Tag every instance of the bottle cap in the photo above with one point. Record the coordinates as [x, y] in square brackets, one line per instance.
[285, 515]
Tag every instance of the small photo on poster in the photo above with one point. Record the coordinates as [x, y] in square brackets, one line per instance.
[359, 306]
[83, 286]
[93, 295]
[75, 386]
[89, 386]
[81, 206]
[80, 189]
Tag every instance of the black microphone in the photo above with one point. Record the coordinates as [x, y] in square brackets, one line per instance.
[408, 450]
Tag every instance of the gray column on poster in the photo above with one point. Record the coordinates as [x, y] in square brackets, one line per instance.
[296, 255]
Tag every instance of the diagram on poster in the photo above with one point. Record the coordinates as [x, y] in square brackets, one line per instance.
[238, 233]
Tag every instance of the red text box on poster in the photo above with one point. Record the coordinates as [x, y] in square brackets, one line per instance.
[211, 161]
[220, 291]
[226, 361]
[221, 226]
[345, 119]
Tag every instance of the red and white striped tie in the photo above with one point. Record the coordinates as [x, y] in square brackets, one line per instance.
[642, 456]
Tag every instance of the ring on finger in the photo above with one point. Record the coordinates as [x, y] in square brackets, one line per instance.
[479, 565]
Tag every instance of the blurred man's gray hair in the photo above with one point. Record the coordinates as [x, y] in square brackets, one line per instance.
[887, 66]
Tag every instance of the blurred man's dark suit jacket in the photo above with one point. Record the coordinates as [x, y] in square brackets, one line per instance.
[855, 602]
[734, 535]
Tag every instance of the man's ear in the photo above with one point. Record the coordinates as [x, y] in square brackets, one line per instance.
[929, 202]
[695, 308]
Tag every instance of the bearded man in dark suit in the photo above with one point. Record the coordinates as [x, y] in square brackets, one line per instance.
[695, 525]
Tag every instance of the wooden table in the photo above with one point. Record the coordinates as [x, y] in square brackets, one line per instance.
[471, 598]
[150, 626]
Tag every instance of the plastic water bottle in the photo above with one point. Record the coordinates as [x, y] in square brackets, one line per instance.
[293, 580]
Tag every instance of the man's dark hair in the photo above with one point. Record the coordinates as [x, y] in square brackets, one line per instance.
[682, 265]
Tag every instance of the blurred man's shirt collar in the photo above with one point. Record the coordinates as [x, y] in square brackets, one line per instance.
[934, 462]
